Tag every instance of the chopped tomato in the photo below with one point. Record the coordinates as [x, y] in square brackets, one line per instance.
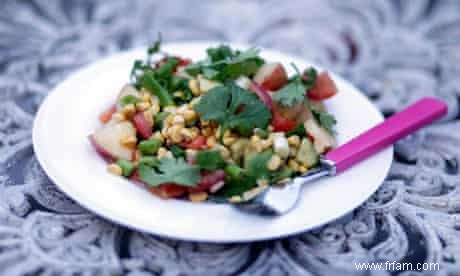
[105, 116]
[208, 179]
[182, 62]
[165, 191]
[323, 88]
[281, 123]
[198, 143]
[168, 190]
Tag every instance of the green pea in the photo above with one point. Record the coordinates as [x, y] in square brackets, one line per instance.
[149, 147]
[126, 166]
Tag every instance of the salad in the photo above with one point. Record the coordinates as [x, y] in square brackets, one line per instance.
[222, 128]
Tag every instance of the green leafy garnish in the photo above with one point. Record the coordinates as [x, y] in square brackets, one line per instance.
[256, 165]
[177, 151]
[235, 108]
[149, 81]
[149, 161]
[298, 130]
[128, 99]
[292, 93]
[224, 64]
[325, 119]
[155, 48]
[236, 186]
[210, 160]
[295, 91]
[170, 170]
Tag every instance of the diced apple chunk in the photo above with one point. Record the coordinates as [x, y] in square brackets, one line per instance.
[106, 140]
[323, 140]
[271, 76]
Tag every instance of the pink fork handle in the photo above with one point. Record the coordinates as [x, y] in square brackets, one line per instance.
[387, 133]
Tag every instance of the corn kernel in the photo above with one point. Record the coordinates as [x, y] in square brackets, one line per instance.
[119, 117]
[293, 165]
[145, 96]
[274, 163]
[198, 197]
[137, 155]
[194, 132]
[174, 133]
[284, 180]
[235, 199]
[224, 152]
[227, 133]
[262, 182]
[163, 152]
[186, 133]
[142, 106]
[294, 141]
[255, 140]
[194, 87]
[292, 152]
[170, 109]
[228, 141]
[155, 108]
[211, 141]
[207, 131]
[190, 115]
[114, 169]
[265, 144]
[129, 110]
[190, 154]
[303, 169]
[157, 135]
[178, 120]
[178, 94]
[250, 194]
[149, 117]
[129, 141]
[194, 102]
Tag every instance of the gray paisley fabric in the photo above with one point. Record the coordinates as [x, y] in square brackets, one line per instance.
[395, 51]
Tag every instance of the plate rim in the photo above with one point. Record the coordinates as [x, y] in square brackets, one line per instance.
[96, 210]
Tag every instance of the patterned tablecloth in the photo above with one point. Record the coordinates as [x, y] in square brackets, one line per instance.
[395, 51]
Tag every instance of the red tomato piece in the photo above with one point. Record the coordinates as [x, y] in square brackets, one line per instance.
[105, 116]
[182, 62]
[198, 143]
[208, 179]
[281, 123]
[168, 190]
[323, 88]
[165, 191]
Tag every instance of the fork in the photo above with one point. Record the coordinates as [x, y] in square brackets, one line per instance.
[279, 199]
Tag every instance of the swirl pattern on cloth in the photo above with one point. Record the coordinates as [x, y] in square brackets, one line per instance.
[395, 51]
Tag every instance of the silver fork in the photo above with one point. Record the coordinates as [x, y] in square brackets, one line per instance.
[278, 200]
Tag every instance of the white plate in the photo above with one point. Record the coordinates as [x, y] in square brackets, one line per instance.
[70, 113]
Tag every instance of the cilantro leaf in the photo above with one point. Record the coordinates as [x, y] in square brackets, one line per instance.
[170, 170]
[292, 93]
[209, 160]
[325, 119]
[235, 108]
[234, 187]
[295, 91]
[256, 165]
[224, 64]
